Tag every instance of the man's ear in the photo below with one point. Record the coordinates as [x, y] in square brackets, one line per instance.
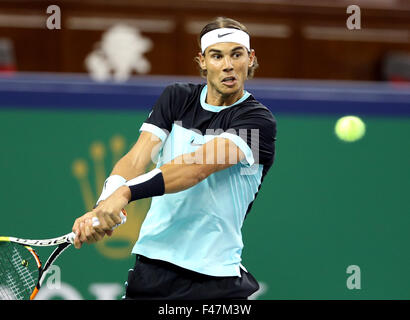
[251, 58]
[201, 59]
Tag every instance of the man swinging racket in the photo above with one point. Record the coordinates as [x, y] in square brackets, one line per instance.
[214, 144]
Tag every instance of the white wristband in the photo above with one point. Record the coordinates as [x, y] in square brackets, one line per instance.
[111, 184]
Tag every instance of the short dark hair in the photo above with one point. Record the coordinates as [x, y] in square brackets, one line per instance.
[223, 22]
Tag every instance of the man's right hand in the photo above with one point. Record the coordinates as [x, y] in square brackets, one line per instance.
[85, 232]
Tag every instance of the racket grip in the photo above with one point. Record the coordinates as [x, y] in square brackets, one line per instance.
[123, 216]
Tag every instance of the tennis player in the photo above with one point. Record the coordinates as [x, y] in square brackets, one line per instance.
[213, 144]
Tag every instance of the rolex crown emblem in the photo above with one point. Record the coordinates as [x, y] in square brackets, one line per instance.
[120, 244]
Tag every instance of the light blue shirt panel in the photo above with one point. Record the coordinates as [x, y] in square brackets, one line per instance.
[199, 228]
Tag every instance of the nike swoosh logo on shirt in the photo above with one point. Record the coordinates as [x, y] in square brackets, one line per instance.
[223, 35]
[195, 144]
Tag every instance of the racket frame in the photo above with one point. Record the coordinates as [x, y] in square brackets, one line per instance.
[62, 243]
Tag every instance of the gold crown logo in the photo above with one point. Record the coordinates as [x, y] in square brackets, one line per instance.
[119, 245]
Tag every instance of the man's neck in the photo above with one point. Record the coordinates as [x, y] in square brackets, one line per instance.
[216, 98]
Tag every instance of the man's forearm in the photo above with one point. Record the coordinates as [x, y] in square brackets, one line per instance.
[128, 168]
[189, 169]
[179, 177]
[186, 170]
[133, 164]
[139, 158]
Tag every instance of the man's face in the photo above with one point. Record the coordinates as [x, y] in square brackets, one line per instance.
[227, 66]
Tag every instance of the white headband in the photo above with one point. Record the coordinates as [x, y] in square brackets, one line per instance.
[225, 35]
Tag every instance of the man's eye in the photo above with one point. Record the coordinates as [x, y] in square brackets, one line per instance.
[216, 56]
[237, 55]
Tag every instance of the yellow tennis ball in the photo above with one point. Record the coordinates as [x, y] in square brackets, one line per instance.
[350, 128]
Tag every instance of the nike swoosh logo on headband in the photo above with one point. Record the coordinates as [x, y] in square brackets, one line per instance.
[223, 35]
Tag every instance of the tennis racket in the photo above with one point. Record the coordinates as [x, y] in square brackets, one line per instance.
[21, 270]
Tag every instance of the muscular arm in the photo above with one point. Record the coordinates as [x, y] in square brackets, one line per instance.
[189, 169]
[133, 164]
[139, 158]
[181, 173]
[185, 170]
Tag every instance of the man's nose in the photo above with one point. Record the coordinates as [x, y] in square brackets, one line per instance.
[228, 66]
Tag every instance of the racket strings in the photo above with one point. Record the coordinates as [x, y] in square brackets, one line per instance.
[18, 272]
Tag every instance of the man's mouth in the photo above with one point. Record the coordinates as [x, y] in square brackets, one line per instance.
[229, 81]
